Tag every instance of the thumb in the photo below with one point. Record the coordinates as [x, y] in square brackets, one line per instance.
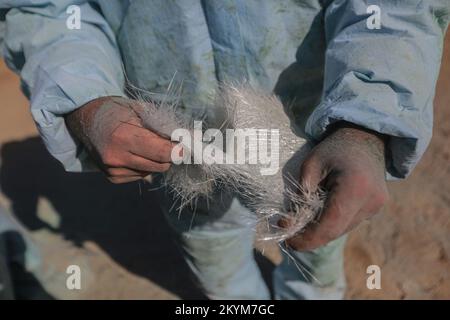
[312, 172]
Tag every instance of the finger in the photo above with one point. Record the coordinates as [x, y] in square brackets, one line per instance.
[125, 172]
[343, 204]
[312, 173]
[137, 163]
[146, 144]
[119, 180]
[133, 106]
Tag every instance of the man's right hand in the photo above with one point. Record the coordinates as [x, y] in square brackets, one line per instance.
[112, 132]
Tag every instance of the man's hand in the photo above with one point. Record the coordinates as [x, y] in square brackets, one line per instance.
[350, 165]
[112, 132]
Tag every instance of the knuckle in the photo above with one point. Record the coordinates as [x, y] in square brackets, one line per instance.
[164, 152]
[111, 172]
[114, 180]
[166, 167]
[117, 136]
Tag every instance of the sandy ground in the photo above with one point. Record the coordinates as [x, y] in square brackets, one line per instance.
[118, 237]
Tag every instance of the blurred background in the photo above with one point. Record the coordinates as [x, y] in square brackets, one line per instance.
[118, 237]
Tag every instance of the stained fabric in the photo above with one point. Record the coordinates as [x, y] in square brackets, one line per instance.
[318, 56]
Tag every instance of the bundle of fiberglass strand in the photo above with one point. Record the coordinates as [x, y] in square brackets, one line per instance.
[269, 194]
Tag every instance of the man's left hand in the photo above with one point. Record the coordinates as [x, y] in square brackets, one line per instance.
[350, 164]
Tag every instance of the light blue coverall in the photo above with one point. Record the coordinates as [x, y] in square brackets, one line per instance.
[319, 56]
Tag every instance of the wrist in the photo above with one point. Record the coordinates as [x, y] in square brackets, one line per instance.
[356, 132]
[369, 141]
[79, 120]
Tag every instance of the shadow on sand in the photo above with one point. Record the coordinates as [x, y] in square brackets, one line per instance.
[124, 220]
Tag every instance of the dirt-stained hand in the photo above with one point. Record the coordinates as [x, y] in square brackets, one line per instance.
[112, 132]
[350, 164]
